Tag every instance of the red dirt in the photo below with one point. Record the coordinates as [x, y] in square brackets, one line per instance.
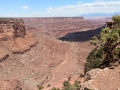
[51, 60]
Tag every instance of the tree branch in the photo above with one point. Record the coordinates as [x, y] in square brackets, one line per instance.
[115, 45]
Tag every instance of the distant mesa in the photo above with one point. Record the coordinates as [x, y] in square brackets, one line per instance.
[61, 18]
[14, 37]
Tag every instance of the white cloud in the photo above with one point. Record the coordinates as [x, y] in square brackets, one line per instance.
[49, 9]
[100, 6]
[35, 12]
[25, 7]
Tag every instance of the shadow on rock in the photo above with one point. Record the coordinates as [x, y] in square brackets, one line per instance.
[81, 36]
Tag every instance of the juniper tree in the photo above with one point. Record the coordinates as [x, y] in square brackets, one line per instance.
[107, 50]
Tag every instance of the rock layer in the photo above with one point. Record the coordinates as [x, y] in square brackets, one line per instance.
[14, 37]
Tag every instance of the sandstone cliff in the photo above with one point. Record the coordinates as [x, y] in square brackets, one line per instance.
[14, 37]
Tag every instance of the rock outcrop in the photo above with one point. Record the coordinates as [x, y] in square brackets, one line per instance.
[10, 29]
[14, 37]
[103, 79]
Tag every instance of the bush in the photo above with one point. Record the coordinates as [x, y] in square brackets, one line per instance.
[66, 83]
[82, 75]
[76, 83]
[55, 88]
[68, 86]
[40, 87]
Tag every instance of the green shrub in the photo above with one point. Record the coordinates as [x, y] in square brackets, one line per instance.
[77, 83]
[55, 88]
[66, 83]
[40, 87]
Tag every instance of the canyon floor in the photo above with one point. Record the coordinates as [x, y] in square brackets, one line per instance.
[60, 52]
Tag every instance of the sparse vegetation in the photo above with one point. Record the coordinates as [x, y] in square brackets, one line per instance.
[107, 50]
[87, 78]
[68, 86]
[40, 87]
[82, 75]
[55, 88]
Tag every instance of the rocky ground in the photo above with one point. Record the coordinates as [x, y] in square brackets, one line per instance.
[60, 53]
[104, 79]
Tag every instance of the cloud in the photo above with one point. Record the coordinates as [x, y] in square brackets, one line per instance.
[35, 12]
[25, 7]
[100, 6]
[49, 9]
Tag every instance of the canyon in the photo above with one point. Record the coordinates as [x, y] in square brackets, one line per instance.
[49, 51]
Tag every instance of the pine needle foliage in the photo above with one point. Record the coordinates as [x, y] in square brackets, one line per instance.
[107, 50]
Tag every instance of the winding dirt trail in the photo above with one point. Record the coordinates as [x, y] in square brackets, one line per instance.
[66, 58]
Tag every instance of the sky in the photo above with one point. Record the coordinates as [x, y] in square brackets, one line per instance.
[56, 8]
